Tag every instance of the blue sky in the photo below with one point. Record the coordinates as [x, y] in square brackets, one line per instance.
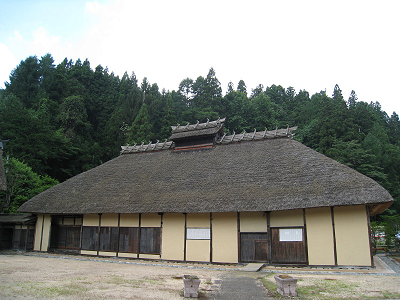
[309, 45]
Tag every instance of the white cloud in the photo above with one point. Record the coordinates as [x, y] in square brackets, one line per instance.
[43, 42]
[18, 36]
[8, 62]
[94, 8]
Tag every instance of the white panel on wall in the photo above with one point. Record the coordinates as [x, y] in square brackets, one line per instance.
[291, 235]
[198, 233]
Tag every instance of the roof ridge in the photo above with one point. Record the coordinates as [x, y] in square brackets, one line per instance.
[257, 135]
[147, 148]
[197, 126]
[225, 139]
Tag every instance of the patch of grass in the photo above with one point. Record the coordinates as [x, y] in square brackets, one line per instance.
[41, 290]
[71, 289]
[120, 280]
[325, 288]
[389, 295]
[270, 285]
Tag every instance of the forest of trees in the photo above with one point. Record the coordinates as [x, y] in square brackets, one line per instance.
[64, 119]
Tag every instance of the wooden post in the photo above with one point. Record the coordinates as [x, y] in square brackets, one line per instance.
[269, 239]
[119, 223]
[305, 234]
[81, 237]
[211, 238]
[98, 238]
[26, 236]
[185, 238]
[41, 235]
[161, 232]
[139, 234]
[238, 236]
[334, 235]
[370, 237]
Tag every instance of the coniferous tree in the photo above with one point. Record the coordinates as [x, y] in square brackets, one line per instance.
[140, 131]
[168, 119]
[24, 81]
[242, 87]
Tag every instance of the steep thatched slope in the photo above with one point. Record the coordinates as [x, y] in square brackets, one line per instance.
[266, 175]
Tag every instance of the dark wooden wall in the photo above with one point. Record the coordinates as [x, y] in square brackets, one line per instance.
[287, 252]
[253, 247]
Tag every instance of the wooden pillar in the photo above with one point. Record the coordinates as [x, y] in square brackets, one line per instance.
[269, 238]
[119, 224]
[161, 232]
[370, 237]
[139, 235]
[26, 236]
[334, 235]
[98, 238]
[238, 236]
[211, 238]
[305, 234]
[41, 235]
[185, 238]
[81, 237]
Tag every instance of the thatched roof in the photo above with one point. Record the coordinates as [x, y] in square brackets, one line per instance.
[263, 175]
[17, 218]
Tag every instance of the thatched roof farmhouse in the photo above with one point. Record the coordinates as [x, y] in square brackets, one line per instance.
[268, 190]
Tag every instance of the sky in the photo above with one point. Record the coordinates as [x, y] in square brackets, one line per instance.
[309, 45]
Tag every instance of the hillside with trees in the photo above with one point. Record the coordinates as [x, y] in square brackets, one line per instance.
[64, 119]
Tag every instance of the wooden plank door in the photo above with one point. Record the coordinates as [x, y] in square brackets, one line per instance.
[253, 247]
[261, 250]
[287, 252]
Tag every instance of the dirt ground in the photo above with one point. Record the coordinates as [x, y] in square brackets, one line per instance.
[40, 277]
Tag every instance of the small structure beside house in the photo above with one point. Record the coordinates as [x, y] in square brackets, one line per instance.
[204, 196]
[17, 231]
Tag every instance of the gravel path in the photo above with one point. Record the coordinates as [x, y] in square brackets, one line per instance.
[241, 287]
[391, 263]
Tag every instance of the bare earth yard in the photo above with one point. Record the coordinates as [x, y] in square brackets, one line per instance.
[39, 277]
